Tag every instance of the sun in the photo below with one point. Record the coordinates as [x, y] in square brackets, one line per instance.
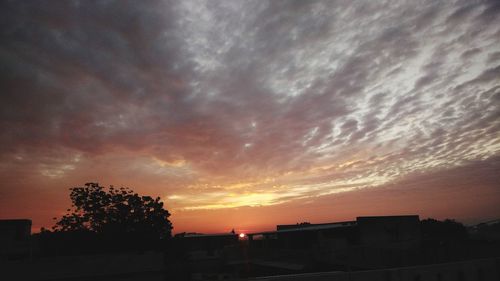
[242, 235]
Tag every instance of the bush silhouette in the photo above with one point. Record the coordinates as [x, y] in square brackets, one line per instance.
[115, 211]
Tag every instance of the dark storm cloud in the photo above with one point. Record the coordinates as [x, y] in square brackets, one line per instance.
[312, 95]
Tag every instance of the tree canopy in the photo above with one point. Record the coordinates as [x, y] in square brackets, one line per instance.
[114, 211]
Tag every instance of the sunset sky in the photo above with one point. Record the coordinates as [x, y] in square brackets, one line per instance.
[248, 114]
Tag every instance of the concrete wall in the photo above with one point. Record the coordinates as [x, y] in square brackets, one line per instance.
[15, 239]
[475, 270]
[123, 267]
[389, 229]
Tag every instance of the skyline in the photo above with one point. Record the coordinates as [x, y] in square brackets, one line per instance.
[248, 114]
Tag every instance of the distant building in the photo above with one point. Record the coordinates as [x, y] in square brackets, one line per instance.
[208, 254]
[209, 245]
[15, 239]
[368, 242]
[384, 230]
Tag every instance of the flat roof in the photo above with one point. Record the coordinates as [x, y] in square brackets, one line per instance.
[15, 221]
[187, 235]
[309, 228]
[321, 226]
[386, 217]
[305, 225]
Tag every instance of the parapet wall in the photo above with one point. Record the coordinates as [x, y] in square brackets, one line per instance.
[139, 266]
[475, 270]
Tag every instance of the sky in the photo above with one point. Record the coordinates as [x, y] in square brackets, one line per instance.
[248, 114]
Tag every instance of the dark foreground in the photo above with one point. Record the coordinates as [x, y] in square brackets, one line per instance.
[390, 248]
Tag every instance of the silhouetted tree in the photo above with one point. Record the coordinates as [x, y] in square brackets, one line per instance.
[114, 211]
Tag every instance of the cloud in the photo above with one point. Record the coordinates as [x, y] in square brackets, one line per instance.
[319, 96]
